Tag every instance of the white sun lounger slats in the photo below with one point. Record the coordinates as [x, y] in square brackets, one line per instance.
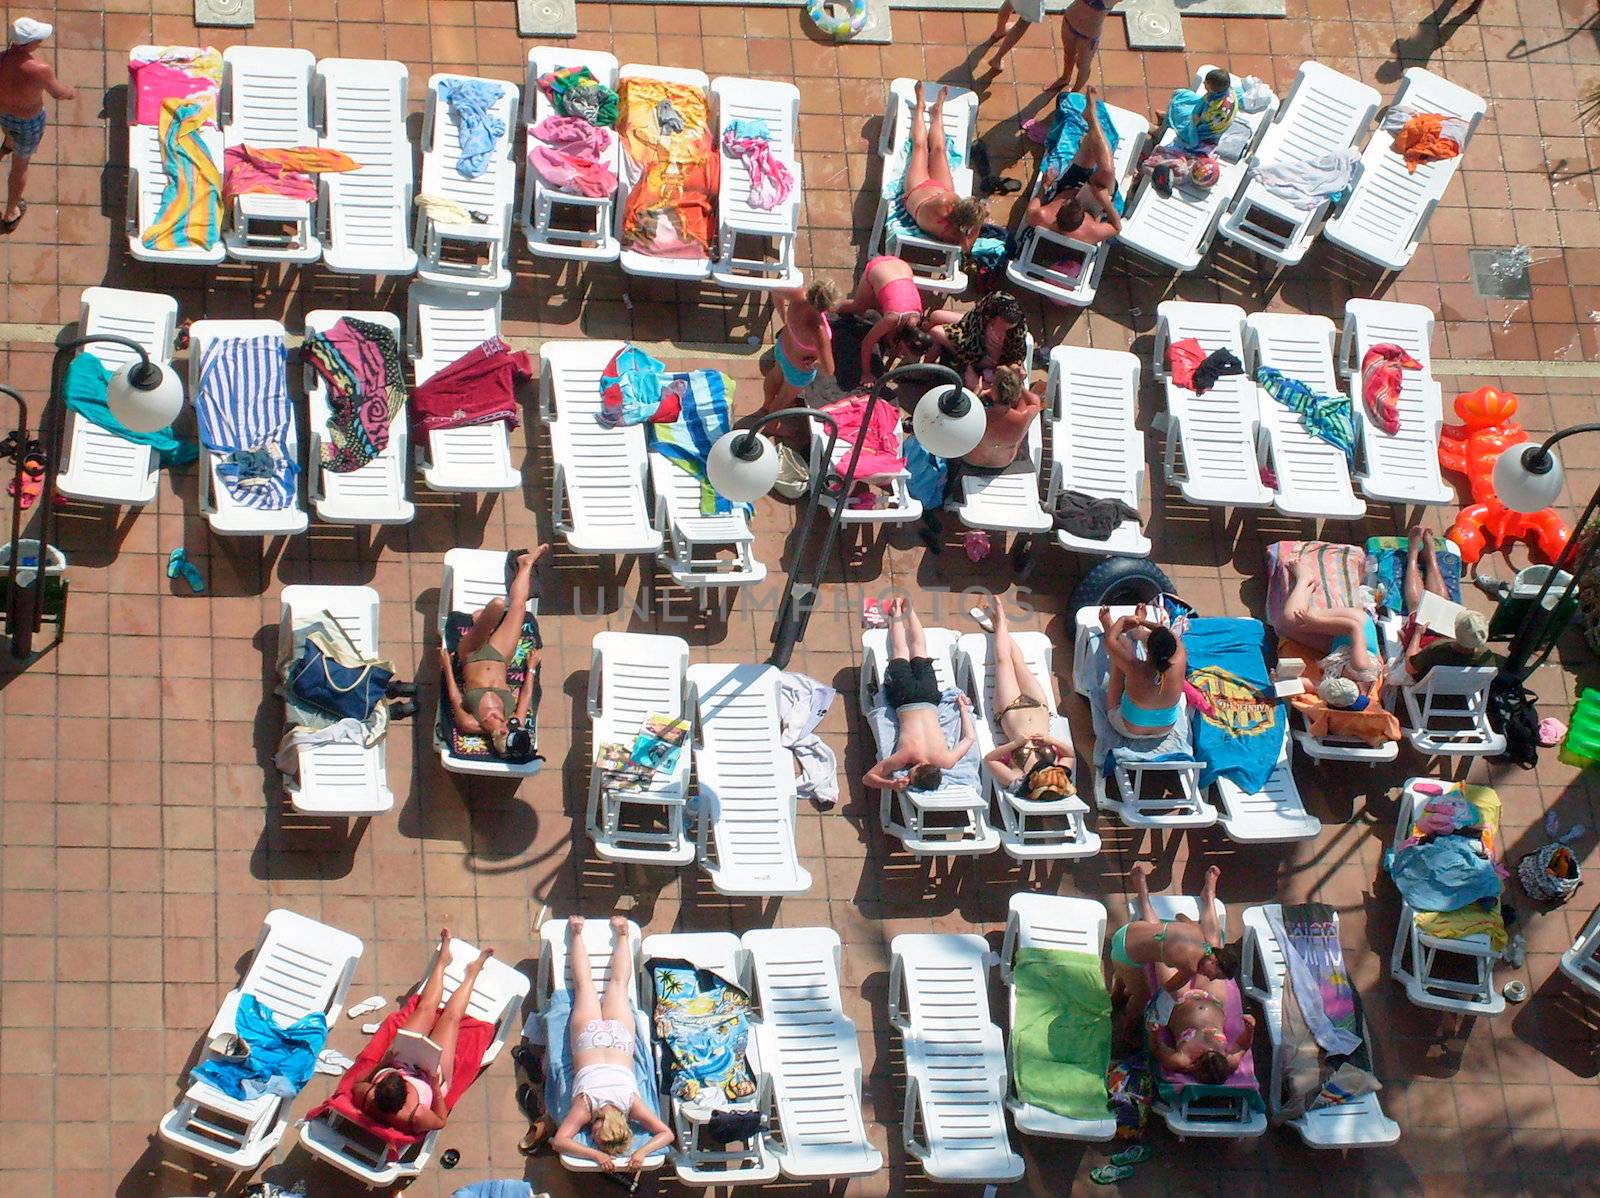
[1313, 476]
[476, 254]
[745, 783]
[444, 324]
[633, 261]
[101, 466]
[1094, 446]
[1404, 467]
[1388, 207]
[564, 224]
[552, 972]
[1326, 112]
[299, 967]
[1006, 502]
[771, 232]
[1273, 815]
[1581, 962]
[266, 104]
[366, 213]
[700, 550]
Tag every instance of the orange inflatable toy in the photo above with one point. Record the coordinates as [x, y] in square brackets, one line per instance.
[1470, 448]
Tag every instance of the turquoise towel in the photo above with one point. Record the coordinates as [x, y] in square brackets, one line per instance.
[1066, 135]
[85, 391]
[706, 414]
[1327, 417]
[281, 1059]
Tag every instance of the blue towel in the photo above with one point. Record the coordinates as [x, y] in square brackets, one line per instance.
[706, 414]
[1445, 874]
[756, 129]
[84, 389]
[1386, 570]
[281, 1059]
[929, 475]
[964, 773]
[478, 131]
[1326, 417]
[1241, 740]
[559, 1071]
[1066, 135]
[495, 1189]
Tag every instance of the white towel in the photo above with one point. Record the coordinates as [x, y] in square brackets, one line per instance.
[802, 702]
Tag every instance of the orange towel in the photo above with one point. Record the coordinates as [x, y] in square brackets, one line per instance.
[1420, 141]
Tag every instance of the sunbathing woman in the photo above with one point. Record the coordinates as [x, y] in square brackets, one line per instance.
[1143, 697]
[397, 1092]
[604, 1095]
[1180, 949]
[1347, 636]
[1195, 1016]
[487, 704]
[930, 195]
[1031, 763]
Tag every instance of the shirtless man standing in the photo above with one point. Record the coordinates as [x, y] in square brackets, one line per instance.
[1090, 176]
[921, 755]
[24, 83]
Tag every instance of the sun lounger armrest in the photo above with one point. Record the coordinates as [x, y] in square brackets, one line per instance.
[1008, 945]
[1053, 489]
[1249, 960]
[592, 700]
[133, 201]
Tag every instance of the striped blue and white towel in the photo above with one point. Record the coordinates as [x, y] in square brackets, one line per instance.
[242, 406]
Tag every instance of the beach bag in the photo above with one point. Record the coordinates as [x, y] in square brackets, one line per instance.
[340, 690]
[1550, 874]
[1512, 713]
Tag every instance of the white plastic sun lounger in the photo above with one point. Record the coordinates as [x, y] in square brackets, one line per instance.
[366, 213]
[443, 324]
[895, 490]
[563, 224]
[1274, 815]
[496, 999]
[1438, 973]
[376, 493]
[1219, 430]
[698, 550]
[1325, 113]
[338, 779]
[1263, 974]
[950, 821]
[955, 1117]
[1403, 468]
[474, 254]
[771, 232]
[808, 1047]
[1029, 831]
[473, 577]
[1447, 713]
[1177, 230]
[1072, 274]
[1051, 921]
[697, 1159]
[147, 182]
[299, 967]
[744, 783]
[1388, 207]
[1006, 502]
[1581, 962]
[937, 265]
[266, 104]
[633, 676]
[1313, 476]
[652, 265]
[101, 466]
[1094, 445]
[226, 515]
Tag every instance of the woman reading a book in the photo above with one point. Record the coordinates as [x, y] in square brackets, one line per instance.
[483, 702]
[399, 1091]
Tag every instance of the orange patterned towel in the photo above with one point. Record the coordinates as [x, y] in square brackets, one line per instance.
[1421, 139]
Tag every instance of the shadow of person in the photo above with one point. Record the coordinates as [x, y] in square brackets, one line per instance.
[1434, 31]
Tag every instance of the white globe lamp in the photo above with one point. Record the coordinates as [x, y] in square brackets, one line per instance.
[742, 466]
[949, 421]
[145, 396]
[1528, 478]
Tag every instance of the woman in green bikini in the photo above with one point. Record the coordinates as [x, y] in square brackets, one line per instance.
[485, 703]
[1181, 949]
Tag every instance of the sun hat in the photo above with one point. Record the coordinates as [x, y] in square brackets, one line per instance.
[1337, 691]
[1472, 630]
[25, 30]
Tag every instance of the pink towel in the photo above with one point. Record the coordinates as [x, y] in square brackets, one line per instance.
[770, 180]
[568, 154]
[156, 82]
[880, 448]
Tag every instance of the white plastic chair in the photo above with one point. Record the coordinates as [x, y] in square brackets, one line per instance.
[1313, 476]
[1054, 922]
[101, 466]
[1325, 113]
[226, 515]
[633, 676]
[266, 104]
[147, 181]
[744, 782]
[1263, 972]
[936, 264]
[1388, 207]
[443, 324]
[1029, 831]
[651, 265]
[299, 967]
[1447, 713]
[955, 1119]
[338, 779]
[366, 213]
[474, 255]
[375, 493]
[563, 224]
[808, 1047]
[773, 232]
[1094, 446]
[700, 551]
[1581, 962]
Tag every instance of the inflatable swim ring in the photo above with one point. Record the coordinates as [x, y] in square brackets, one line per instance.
[839, 28]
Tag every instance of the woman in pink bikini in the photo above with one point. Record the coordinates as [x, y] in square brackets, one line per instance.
[889, 288]
[1081, 27]
[930, 191]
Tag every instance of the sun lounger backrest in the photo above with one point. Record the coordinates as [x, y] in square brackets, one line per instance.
[267, 96]
[300, 965]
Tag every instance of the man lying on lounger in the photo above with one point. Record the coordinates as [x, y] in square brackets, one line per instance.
[909, 687]
[1068, 203]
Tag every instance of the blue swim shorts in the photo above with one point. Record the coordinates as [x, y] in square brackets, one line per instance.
[23, 134]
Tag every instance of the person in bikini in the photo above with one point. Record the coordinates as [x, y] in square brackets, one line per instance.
[1031, 763]
[484, 702]
[1081, 200]
[930, 196]
[804, 346]
[889, 287]
[399, 1094]
[1346, 636]
[1081, 27]
[910, 688]
[1181, 951]
[1194, 1017]
[604, 1094]
[1143, 697]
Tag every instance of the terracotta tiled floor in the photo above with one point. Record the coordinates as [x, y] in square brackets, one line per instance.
[145, 833]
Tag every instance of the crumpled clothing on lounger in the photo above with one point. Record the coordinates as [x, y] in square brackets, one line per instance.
[480, 387]
[259, 170]
[1381, 381]
[1326, 417]
[568, 154]
[478, 130]
[771, 182]
[162, 73]
[365, 374]
[574, 91]
[1423, 137]
[673, 169]
[1307, 183]
[84, 388]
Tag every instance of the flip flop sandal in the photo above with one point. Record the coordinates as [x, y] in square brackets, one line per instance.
[1136, 1155]
[528, 1102]
[367, 1005]
[370, 1029]
[179, 566]
[981, 618]
[403, 710]
[333, 1062]
[1008, 187]
[1110, 1175]
[7, 226]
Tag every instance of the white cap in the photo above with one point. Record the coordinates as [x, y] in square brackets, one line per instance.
[25, 30]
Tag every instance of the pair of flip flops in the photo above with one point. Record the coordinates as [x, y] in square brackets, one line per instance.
[1121, 1166]
[179, 566]
[990, 183]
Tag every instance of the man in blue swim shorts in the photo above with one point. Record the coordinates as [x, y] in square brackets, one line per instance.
[25, 81]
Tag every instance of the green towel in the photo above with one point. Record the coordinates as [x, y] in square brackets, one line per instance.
[1061, 1034]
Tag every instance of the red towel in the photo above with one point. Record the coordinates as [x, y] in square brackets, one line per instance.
[472, 1042]
[1182, 358]
[479, 387]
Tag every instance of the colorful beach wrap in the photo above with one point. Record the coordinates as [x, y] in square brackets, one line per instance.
[702, 1022]
[190, 215]
[361, 363]
[1241, 737]
[672, 166]
[1326, 417]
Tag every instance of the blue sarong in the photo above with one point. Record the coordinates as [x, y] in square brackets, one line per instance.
[478, 131]
[84, 388]
[1066, 135]
[281, 1059]
[1242, 737]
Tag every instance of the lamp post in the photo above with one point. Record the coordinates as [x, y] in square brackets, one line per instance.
[743, 465]
[143, 395]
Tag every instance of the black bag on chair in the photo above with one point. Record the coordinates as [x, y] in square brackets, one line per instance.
[1512, 714]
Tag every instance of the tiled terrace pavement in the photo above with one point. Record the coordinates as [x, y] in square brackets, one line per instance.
[145, 834]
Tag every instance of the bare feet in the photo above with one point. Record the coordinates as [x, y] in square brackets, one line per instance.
[619, 925]
[528, 561]
[1062, 82]
[921, 97]
[1090, 94]
[480, 961]
[1212, 874]
[1105, 619]
[1142, 869]
[574, 927]
[444, 940]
